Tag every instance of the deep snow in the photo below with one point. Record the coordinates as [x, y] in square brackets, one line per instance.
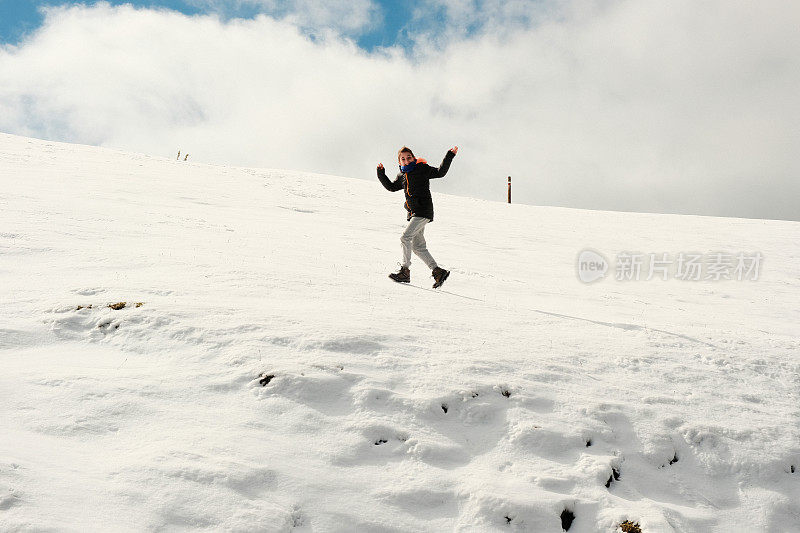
[392, 408]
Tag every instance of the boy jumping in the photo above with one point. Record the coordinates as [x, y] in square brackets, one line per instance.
[414, 177]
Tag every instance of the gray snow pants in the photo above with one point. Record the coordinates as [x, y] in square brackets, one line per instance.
[413, 239]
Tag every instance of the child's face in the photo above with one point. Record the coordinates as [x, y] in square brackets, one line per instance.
[406, 158]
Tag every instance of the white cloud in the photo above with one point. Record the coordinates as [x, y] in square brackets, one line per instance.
[646, 106]
[351, 16]
[348, 17]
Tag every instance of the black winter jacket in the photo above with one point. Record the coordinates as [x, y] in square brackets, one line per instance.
[416, 184]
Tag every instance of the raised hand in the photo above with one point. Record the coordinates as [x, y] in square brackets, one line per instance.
[380, 166]
[454, 149]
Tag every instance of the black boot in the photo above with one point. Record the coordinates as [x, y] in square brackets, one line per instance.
[404, 276]
[439, 275]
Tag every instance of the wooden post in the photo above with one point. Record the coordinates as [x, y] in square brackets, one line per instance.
[509, 189]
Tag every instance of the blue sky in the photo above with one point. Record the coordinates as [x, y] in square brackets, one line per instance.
[394, 19]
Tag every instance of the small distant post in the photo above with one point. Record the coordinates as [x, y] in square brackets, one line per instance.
[509, 189]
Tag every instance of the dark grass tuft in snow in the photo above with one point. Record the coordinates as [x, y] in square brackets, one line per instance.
[630, 527]
[613, 477]
[567, 517]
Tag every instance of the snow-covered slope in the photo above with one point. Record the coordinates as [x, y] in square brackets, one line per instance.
[392, 408]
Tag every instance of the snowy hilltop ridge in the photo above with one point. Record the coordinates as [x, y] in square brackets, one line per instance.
[264, 374]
